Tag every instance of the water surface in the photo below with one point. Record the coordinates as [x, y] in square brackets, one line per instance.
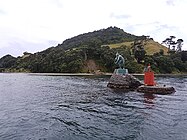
[34, 107]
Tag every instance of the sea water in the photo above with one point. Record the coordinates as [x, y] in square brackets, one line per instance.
[41, 107]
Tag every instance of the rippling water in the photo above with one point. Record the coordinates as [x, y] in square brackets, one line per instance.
[76, 107]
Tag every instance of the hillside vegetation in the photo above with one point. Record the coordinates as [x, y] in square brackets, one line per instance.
[95, 51]
[150, 47]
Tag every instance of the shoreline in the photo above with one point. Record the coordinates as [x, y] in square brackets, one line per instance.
[85, 74]
[92, 74]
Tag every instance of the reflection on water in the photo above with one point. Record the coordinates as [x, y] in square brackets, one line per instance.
[77, 107]
[149, 98]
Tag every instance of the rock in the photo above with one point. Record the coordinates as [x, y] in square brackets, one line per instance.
[156, 89]
[127, 82]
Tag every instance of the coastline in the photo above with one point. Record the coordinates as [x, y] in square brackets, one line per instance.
[93, 74]
[86, 74]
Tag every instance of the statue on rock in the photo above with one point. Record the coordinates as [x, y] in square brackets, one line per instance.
[120, 79]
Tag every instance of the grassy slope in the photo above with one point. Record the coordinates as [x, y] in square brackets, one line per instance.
[151, 46]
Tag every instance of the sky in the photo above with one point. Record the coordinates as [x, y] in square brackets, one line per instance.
[35, 25]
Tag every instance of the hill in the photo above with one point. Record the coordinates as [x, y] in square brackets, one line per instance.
[150, 46]
[95, 51]
[110, 35]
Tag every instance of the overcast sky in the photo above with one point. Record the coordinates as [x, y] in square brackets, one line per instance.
[35, 25]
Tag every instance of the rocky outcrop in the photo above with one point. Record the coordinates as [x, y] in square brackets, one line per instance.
[90, 66]
[156, 89]
[127, 82]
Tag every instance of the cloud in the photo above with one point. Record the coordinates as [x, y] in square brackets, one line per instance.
[2, 12]
[163, 31]
[156, 30]
[166, 27]
[16, 46]
[170, 2]
[140, 28]
[57, 3]
[34, 22]
[113, 15]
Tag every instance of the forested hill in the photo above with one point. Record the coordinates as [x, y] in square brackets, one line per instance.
[95, 51]
[110, 35]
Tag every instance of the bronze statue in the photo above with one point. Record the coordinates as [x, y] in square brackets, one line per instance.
[119, 60]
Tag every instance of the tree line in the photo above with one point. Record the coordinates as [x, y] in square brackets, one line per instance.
[71, 56]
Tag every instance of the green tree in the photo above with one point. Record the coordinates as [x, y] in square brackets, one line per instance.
[172, 43]
[7, 61]
[179, 64]
[150, 60]
[179, 44]
[138, 50]
[165, 64]
[139, 55]
[134, 67]
[183, 56]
